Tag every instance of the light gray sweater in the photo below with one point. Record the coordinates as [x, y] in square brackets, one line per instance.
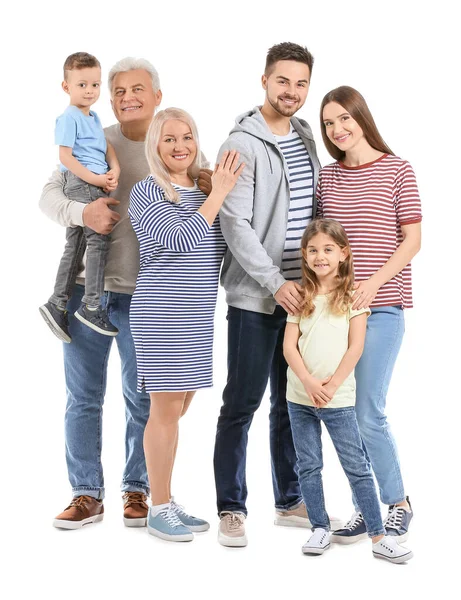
[254, 215]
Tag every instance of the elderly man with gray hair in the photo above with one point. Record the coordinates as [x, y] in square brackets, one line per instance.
[135, 93]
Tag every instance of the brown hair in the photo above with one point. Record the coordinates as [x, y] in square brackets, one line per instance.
[80, 60]
[340, 298]
[288, 51]
[354, 103]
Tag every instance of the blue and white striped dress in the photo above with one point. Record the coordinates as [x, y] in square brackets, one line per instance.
[172, 310]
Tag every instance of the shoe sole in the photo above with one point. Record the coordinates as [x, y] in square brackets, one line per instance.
[231, 542]
[187, 537]
[58, 332]
[198, 528]
[78, 316]
[399, 538]
[397, 560]
[62, 524]
[141, 522]
[339, 539]
[292, 522]
[316, 551]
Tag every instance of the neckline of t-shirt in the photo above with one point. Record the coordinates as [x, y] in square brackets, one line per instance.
[91, 113]
[364, 166]
[281, 138]
[187, 188]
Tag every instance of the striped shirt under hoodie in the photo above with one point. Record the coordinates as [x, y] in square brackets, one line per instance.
[301, 200]
[372, 202]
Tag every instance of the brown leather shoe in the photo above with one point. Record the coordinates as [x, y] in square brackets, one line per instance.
[135, 509]
[83, 510]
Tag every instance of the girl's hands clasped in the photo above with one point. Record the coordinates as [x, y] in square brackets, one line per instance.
[226, 173]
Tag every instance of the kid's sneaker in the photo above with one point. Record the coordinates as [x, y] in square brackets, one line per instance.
[318, 543]
[165, 524]
[96, 320]
[397, 521]
[390, 550]
[192, 523]
[56, 320]
[352, 532]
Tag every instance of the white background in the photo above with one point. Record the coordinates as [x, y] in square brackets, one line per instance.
[210, 57]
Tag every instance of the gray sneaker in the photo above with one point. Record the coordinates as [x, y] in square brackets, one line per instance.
[398, 521]
[56, 320]
[232, 530]
[96, 320]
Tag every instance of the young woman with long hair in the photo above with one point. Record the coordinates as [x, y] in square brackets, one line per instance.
[374, 195]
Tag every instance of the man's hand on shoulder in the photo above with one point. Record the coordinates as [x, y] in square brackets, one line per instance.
[99, 217]
[289, 297]
[204, 181]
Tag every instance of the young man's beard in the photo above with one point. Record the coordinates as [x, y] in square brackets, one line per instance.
[285, 111]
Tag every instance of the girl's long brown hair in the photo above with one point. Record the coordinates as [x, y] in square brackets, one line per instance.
[354, 103]
[340, 298]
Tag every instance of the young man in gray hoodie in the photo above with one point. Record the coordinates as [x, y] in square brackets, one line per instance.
[263, 220]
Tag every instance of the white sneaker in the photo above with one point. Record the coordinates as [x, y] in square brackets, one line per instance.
[390, 550]
[318, 542]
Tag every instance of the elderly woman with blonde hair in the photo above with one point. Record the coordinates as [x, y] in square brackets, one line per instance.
[172, 310]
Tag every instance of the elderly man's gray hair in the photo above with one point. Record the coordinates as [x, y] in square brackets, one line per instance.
[131, 64]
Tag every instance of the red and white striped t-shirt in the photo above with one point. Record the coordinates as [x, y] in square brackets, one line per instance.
[371, 202]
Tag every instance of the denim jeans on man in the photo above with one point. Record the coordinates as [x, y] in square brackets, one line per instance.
[255, 355]
[385, 329]
[342, 426]
[85, 362]
[77, 239]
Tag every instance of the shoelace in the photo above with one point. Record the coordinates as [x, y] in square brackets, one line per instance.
[394, 518]
[178, 508]
[134, 498]
[170, 516]
[234, 520]
[80, 502]
[355, 521]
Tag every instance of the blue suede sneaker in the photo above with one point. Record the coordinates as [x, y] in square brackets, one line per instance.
[398, 520]
[167, 526]
[352, 532]
[192, 523]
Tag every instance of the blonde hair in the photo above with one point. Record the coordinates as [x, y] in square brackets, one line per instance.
[340, 298]
[157, 167]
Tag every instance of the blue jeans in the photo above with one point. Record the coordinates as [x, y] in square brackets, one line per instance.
[385, 329]
[77, 240]
[341, 424]
[255, 355]
[85, 362]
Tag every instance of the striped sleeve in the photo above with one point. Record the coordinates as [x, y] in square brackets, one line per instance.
[160, 221]
[406, 196]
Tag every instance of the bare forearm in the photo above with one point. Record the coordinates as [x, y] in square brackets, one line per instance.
[296, 363]
[211, 206]
[71, 163]
[347, 364]
[398, 261]
[111, 158]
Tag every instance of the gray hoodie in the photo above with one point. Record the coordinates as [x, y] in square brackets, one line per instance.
[254, 215]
